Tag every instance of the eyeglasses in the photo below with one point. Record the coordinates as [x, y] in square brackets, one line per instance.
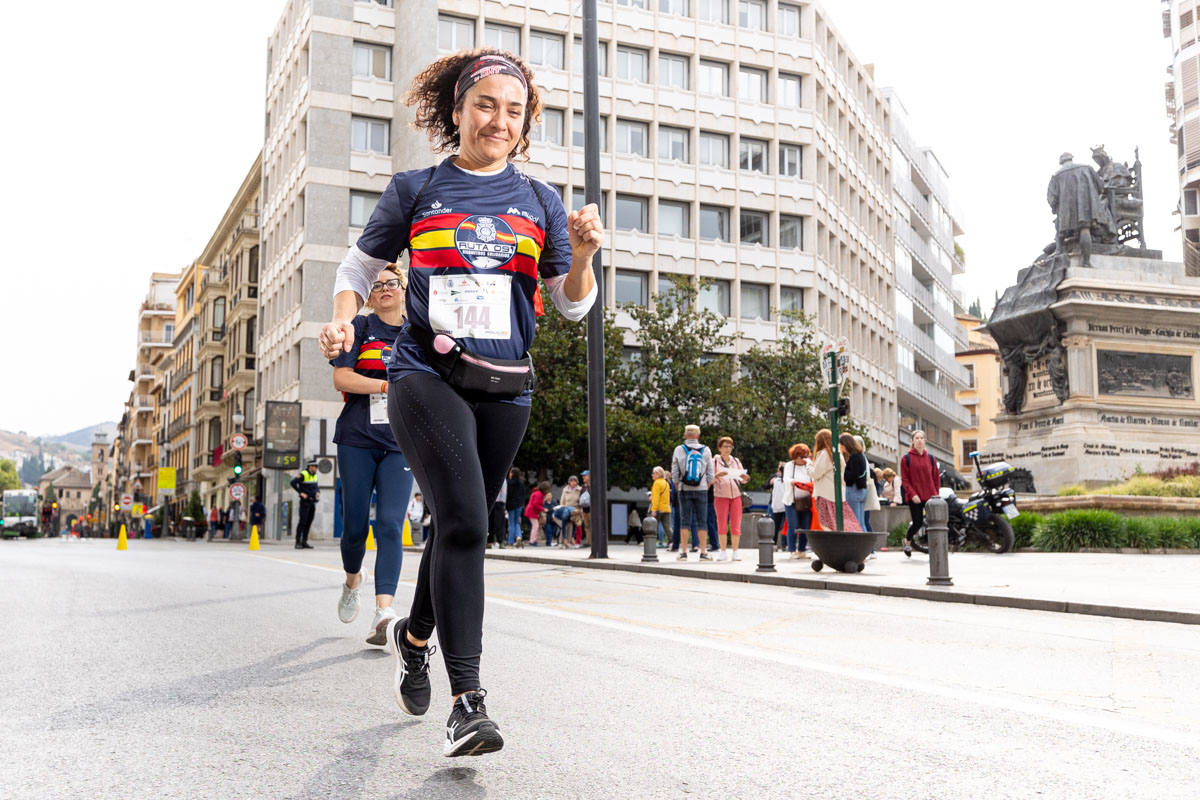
[379, 286]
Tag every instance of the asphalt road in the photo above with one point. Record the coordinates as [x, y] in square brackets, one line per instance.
[193, 670]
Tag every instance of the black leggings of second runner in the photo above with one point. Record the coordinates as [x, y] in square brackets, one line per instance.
[460, 451]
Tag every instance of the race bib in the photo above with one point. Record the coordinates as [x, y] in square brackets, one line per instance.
[471, 306]
[378, 408]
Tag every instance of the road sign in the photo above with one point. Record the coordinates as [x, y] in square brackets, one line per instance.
[842, 366]
[237, 491]
[166, 479]
[126, 502]
[237, 441]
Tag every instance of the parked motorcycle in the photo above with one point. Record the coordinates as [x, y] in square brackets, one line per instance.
[984, 518]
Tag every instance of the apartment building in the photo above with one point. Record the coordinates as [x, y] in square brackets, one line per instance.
[134, 449]
[226, 329]
[982, 398]
[743, 143]
[180, 384]
[926, 260]
[1181, 25]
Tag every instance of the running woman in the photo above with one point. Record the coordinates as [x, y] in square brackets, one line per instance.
[480, 234]
[368, 454]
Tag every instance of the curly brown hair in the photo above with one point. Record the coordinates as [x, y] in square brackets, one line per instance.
[432, 93]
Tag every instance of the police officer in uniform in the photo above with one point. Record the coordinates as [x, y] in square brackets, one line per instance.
[305, 485]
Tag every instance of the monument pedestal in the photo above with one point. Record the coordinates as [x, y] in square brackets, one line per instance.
[1131, 335]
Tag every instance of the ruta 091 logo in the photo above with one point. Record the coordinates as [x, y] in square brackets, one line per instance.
[485, 242]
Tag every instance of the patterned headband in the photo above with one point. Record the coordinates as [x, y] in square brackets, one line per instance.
[485, 66]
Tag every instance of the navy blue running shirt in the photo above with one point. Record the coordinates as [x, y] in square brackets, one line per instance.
[478, 245]
[369, 356]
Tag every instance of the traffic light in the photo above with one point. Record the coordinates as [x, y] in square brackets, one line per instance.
[237, 464]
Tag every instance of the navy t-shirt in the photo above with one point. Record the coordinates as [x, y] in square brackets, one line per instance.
[478, 244]
[369, 356]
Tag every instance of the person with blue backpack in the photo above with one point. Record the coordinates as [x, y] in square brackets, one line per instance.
[692, 471]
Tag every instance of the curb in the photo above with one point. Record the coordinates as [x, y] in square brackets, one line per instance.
[913, 593]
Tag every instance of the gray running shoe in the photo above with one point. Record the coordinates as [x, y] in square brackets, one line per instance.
[348, 604]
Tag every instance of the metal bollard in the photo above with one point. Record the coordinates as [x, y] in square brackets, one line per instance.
[649, 539]
[937, 515]
[766, 544]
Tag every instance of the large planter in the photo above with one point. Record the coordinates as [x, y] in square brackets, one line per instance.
[845, 551]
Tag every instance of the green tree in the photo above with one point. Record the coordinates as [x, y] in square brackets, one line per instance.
[50, 494]
[780, 399]
[556, 443]
[8, 475]
[195, 508]
[33, 468]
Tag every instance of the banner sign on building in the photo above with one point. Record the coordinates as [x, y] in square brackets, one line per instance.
[281, 445]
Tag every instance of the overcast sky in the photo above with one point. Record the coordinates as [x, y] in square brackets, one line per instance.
[125, 142]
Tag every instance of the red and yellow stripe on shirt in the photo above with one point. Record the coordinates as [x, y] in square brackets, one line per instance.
[432, 242]
[370, 356]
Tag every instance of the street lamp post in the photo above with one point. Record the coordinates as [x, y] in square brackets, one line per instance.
[597, 439]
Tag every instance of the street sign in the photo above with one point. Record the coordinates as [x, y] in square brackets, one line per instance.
[237, 441]
[166, 479]
[237, 491]
[843, 363]
[281, 445]
[126, 502]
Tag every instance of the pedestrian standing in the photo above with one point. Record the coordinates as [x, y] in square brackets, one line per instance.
[660, 503]
[305, 485]
[855, 474]
[214, 522]
[692, 471]
[497, 518]
[258, 514]
[460, 384]
[514, 503]
[728, 477]
[798, 499]
[416, 515]
[919, 481]
[534, 512]
[370, 460]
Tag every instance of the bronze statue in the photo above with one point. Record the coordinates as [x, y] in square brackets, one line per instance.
[1076, 197]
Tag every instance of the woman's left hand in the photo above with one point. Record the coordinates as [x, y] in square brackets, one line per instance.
[585, 230]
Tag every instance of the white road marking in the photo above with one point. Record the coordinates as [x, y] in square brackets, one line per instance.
[1125, 726]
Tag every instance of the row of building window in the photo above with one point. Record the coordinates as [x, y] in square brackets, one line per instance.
[632, 287]
[372, 135]
[673, 218]
[632, 63]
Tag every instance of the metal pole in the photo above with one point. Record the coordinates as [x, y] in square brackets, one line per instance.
[765, 528]
[597, 432]
[833, 427]
[649, 539]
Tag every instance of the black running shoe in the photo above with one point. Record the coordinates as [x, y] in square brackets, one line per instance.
[469, 732]
[411, 681]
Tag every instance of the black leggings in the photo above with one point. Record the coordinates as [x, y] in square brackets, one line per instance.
[917, 511]
[460, 449]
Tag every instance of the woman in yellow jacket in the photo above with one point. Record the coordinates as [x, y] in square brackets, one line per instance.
[660, 503]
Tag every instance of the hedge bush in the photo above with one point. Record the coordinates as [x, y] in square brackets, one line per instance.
[896, 534]
[1023, 525]
[1068, 531]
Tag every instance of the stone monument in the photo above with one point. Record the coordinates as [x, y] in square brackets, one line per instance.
[1100, 340]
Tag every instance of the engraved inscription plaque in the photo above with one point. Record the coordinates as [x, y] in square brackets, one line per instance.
[1144, 374]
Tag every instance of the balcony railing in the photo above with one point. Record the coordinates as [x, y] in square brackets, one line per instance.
[939, 400]
[928, 348]
[177, 427]
[155, 337]
[179, 378]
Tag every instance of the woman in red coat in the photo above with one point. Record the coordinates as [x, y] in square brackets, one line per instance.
[919, 481]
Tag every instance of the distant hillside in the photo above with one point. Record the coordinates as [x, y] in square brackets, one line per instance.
[82, 438]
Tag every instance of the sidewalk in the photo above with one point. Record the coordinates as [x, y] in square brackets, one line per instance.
[1164, 588]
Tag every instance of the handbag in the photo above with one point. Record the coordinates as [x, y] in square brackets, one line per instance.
[872, 501]
[747, 501]
[801, 499]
